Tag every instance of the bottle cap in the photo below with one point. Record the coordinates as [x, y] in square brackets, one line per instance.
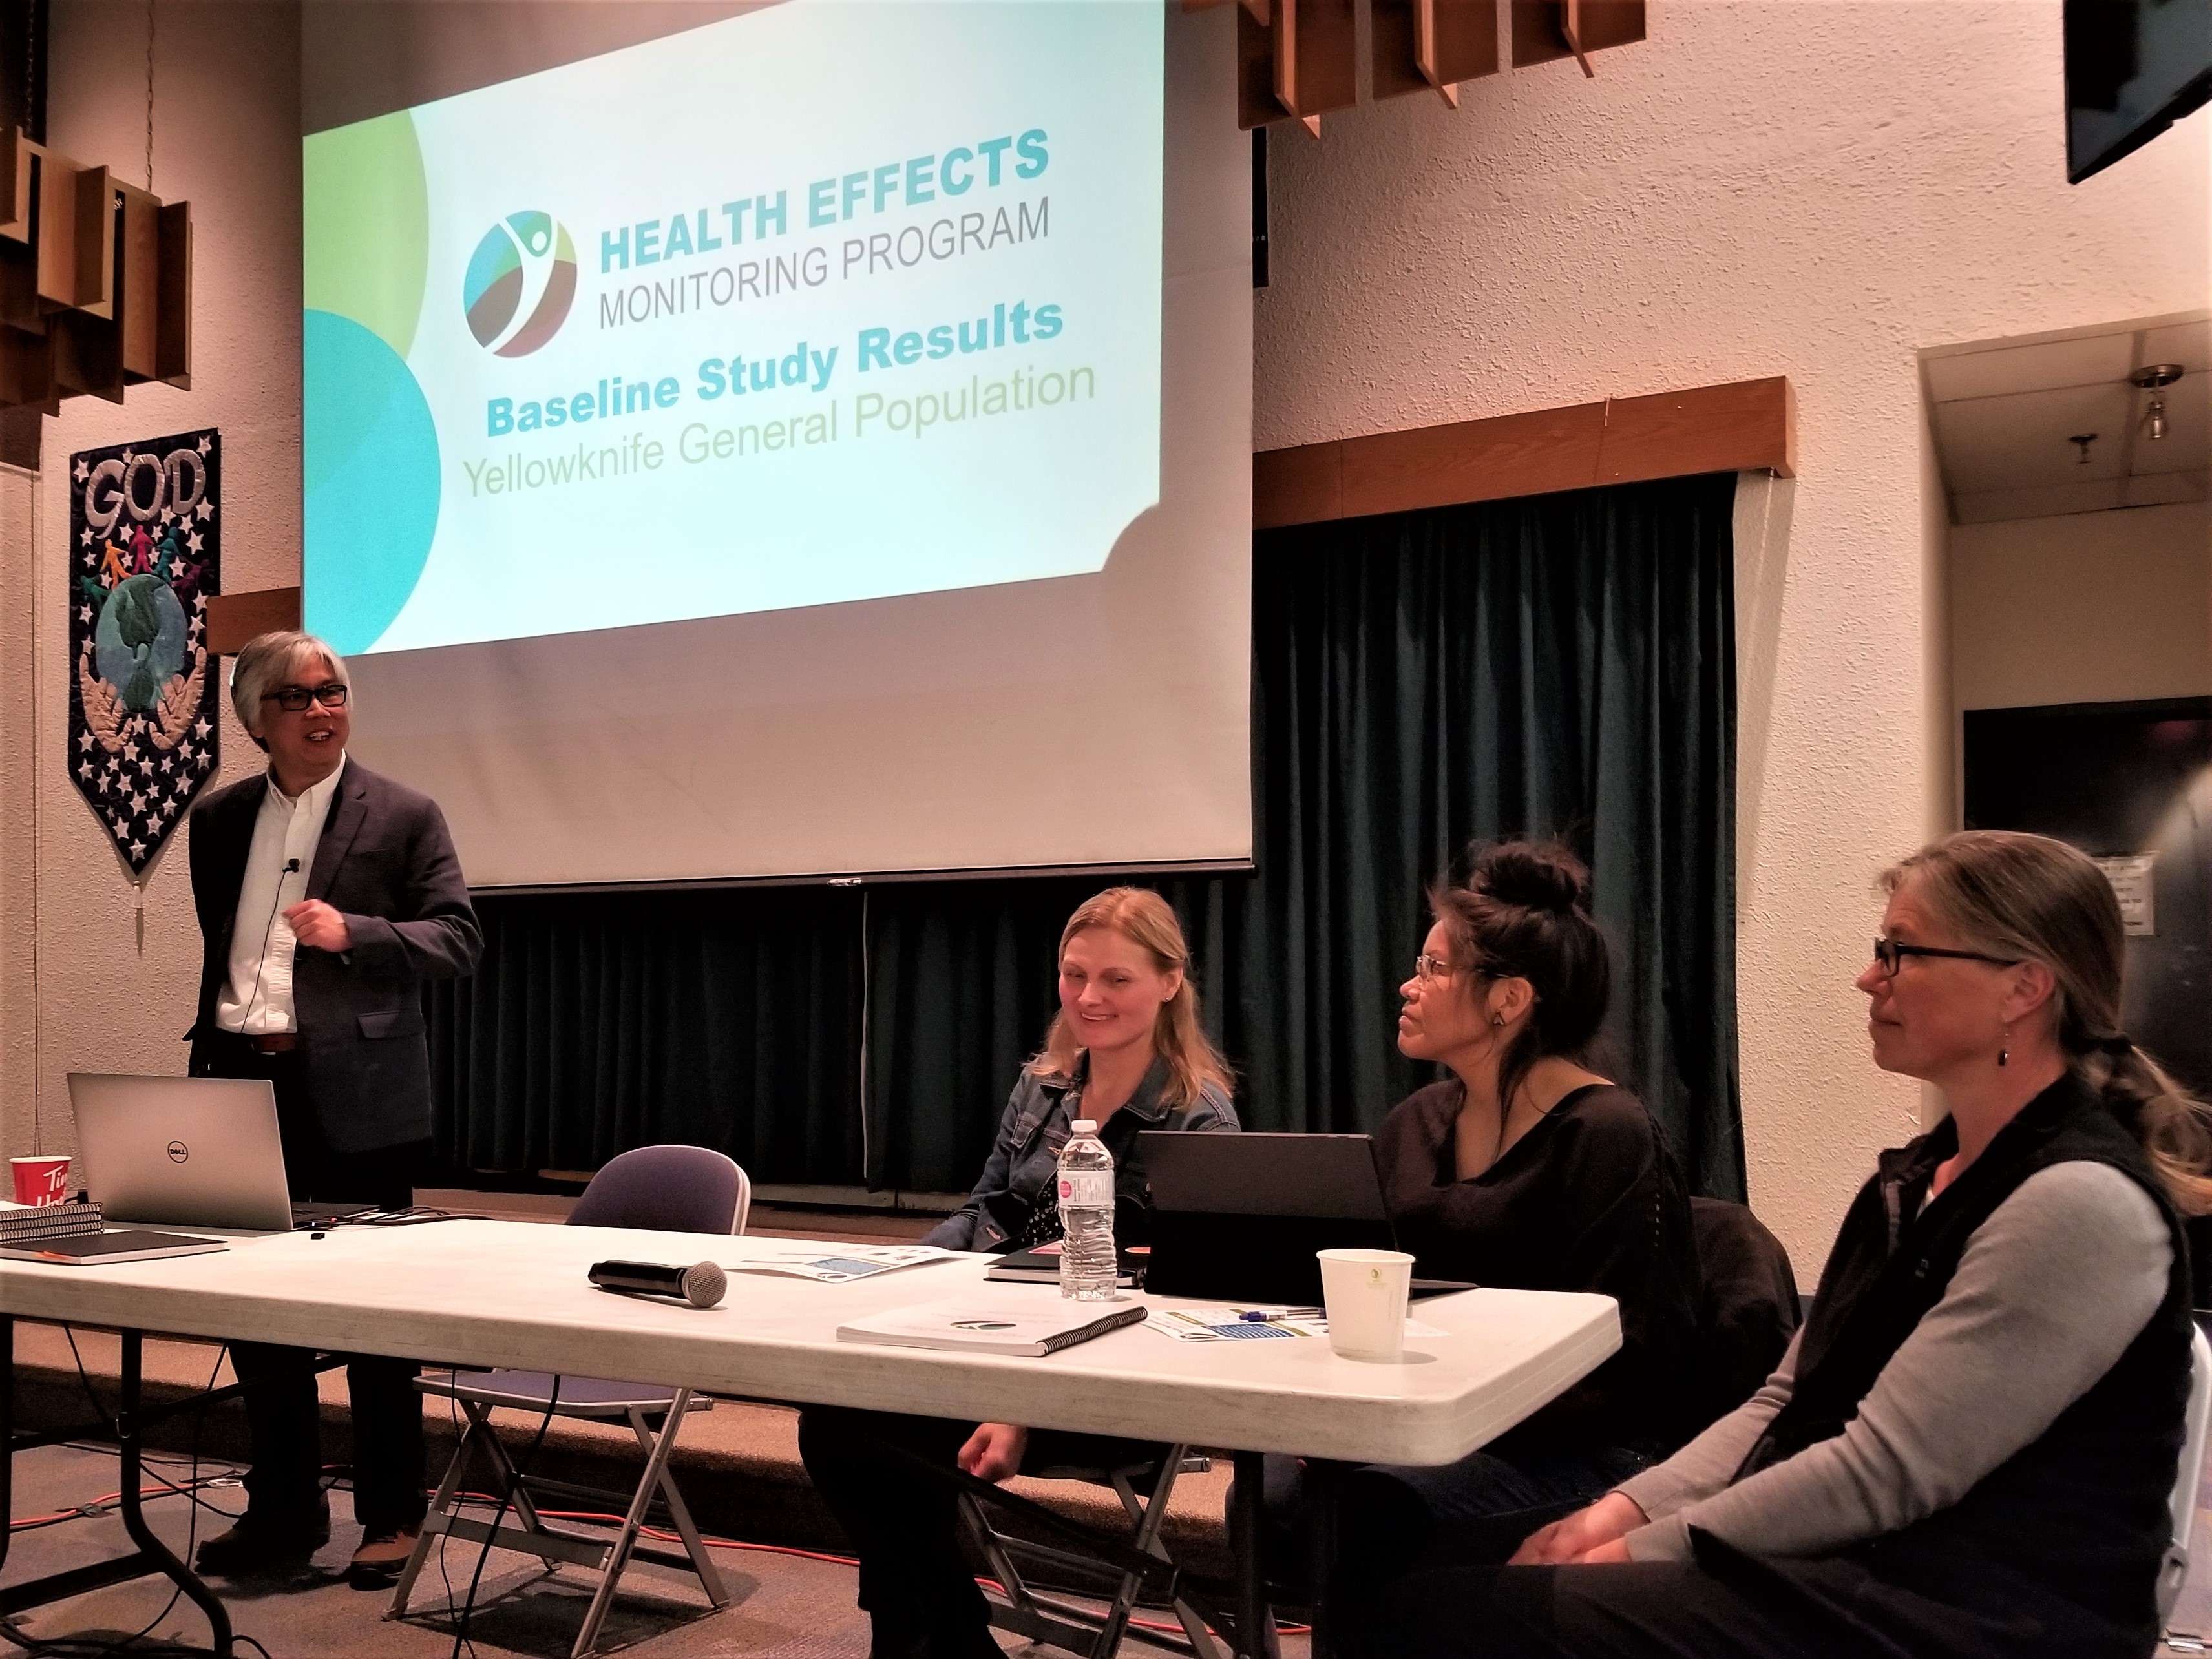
[1084, 1126]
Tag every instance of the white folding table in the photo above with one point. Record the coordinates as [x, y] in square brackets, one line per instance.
[483, 1293]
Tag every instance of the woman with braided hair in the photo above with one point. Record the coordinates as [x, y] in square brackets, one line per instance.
[1969, 1447]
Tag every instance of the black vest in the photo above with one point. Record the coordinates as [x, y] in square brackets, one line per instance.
[2080, 1513]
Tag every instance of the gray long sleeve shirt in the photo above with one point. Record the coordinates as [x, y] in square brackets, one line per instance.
[2051, 1291]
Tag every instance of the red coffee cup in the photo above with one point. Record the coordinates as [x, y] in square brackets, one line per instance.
[40, 1180]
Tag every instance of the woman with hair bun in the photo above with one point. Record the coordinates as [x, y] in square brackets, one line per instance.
[1522, 1170]
[1970, 1446]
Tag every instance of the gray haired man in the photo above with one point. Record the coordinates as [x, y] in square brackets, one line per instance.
[327, 895]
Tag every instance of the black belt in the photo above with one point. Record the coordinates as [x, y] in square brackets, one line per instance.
[269, 1042]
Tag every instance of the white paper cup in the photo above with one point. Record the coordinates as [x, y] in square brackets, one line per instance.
[1363, 1294]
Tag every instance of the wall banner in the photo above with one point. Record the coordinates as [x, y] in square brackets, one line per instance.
[145, 541]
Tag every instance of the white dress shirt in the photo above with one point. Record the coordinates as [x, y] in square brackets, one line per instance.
[258, 1000]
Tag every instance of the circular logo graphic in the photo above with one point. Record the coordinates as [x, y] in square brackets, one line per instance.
[520, 283]
[179, 1152]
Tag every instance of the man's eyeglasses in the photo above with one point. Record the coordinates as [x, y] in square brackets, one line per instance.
[1426, 967]
[293, 698]
[1888, 953]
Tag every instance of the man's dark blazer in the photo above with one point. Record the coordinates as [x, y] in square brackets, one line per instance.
[386, 862]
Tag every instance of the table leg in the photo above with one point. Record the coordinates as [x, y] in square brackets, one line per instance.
[7, 1434]
[1321, 1492]
[158, 1555]
[1256, 1626]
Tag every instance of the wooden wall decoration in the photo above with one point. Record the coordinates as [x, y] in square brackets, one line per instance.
[1297, 59]
[95, 280]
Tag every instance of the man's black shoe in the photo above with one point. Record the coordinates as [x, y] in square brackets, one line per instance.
[256, 1544]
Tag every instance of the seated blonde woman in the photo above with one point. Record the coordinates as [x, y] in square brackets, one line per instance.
[1126, 1052]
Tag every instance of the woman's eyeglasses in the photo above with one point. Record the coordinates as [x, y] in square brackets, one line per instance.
[293, 698]
[1888, 953]
[1426, 967]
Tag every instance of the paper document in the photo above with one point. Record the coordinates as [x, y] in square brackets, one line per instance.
[862, 1262]
[1219, 1323]
[1030, 1325]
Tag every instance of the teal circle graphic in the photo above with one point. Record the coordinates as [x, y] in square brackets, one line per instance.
[520, 283]
[370, 455]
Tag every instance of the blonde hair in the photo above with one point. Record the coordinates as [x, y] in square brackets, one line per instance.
[1146, 921]
[2028, 898]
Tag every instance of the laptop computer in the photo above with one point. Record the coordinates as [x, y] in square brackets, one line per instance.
[1238, 1217]
[188, 1152]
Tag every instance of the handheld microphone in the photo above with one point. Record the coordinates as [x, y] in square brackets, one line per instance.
[702, 1285]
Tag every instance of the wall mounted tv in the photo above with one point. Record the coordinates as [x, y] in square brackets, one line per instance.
[2133, 69]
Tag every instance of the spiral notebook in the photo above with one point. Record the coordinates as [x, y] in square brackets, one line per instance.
[92, 1249]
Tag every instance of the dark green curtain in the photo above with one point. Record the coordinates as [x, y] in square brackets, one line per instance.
[602, 1021]
[1560, 665]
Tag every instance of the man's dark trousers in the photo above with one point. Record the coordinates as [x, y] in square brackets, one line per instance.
[282, 1406]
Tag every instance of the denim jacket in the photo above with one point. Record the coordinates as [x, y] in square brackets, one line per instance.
[1026, 1156]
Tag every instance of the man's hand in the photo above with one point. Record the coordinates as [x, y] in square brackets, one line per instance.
[1587, 1535]
[318, 927]
[994, 1451]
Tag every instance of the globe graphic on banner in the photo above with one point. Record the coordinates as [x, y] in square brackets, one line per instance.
[520, 283]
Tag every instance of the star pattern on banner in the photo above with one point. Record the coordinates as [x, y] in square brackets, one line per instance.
[143, 687]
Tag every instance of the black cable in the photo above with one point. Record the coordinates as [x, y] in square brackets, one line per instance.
[453, 1613]
[192, 1526]
[513, 1486]
[84, 1376]
[128, 1647]
[291, 867]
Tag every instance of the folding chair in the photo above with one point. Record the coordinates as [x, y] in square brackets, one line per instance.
[1047, 1618]
[669, 1189]
[2174, 1572]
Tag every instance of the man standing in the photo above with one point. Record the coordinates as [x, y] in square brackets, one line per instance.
[326, 895]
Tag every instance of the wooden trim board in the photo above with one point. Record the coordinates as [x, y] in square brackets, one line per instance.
[234, 618]
[1748, 425]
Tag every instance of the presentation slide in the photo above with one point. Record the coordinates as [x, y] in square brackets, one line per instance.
[787, 441]
[771, 313]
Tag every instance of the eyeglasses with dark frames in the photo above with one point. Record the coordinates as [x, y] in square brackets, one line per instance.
[293, 698]
[1888, 955]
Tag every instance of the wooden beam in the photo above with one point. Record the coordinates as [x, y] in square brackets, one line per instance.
[138, 279]
[1301, 486]
[1431, 45]
[1532, 454]
[234, 618]
[15, 170]
[1545, 31]
[1299, 65]
[1750, 426]
[172, 323]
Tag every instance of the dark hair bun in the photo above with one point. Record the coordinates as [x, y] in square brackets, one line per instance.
[1534, 874]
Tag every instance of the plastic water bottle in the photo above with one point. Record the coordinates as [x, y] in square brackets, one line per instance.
[1086, 1216]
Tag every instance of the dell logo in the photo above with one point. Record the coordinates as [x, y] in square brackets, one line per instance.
[179, 1152]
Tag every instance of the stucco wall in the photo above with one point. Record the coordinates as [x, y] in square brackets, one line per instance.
[2092, 608]
[226, 136]
[1811, 188]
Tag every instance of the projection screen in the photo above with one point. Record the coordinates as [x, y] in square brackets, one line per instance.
[788, 441]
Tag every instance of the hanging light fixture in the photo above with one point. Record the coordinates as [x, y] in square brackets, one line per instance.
[2154, 380]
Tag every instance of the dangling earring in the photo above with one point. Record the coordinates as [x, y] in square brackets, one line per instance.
[1497, 1020]
[2004, 1047]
